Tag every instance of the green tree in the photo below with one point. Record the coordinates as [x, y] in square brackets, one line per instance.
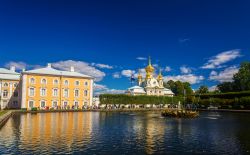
[226, 87]
[202, 90]
[241, 79]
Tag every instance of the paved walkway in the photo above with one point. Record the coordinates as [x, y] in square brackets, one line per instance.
[5, 117]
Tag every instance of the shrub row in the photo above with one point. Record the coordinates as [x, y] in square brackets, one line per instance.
[141, 99]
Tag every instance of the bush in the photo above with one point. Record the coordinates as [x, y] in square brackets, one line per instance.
[24, 109]
[34, 109]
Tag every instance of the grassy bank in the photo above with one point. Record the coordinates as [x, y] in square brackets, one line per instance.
[2, 112]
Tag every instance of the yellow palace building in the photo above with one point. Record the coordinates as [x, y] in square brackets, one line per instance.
[47, 88]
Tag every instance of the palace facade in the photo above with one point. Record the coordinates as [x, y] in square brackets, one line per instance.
[9, 88]
[150, 85]
[45, 88]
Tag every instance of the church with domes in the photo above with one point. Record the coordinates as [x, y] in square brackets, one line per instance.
[150, 85]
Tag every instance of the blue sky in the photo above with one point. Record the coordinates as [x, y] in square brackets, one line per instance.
[202, 42]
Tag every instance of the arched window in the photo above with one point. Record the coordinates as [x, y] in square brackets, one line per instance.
[77, 83]
[43, 81]
[5, 93]
[55, 92]
[85, 92]
[31, 91]
[55, 82]
[32, 80]
[76, 93]
[15, 84]
[43, 92]
[86, 83]
[5, 84]
[66, 82]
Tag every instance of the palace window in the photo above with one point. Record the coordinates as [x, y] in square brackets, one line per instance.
[66, 93]
[54, 104]
[85, 103]
[66, 82]
[5, 93]
[43, 81]
[77, 83]
[76, 93]
[15, 84]
[42, 104]
[55, 82]
[65, 103]
[31, 104]
[5, 84]
[55, 92]
[15, 94]
[85, 92]
[31, 91]
[15, 103]
[76, 104]
[43, 92]
[86, 83]
[32, 80]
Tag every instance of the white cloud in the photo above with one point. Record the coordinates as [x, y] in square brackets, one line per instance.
[191, 78]
[103, 89]
[80, 66]
[213, 88]
[127, 72]
[167, 69]
[185, 70]
[116, 75]
[225, 75]
[221, 58]
[141, 58]
[105, 66]
[19, 65]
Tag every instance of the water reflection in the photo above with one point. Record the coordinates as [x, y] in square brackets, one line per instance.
[124, 133]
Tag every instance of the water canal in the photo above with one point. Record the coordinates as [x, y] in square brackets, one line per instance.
[125, 133]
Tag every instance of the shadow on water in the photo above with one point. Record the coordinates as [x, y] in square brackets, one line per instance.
[125, 133]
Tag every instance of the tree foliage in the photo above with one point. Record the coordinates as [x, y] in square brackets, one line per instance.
[141, 99]
[241, 80]
[178, 87]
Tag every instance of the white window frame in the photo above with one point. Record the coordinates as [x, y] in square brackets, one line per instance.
[75, 103]
[42, 91]
[34, 91]
[6, 84]
[55, 83]
[64, 93]
[86, 83]
[32, 78]
[77, 81]
[65, 82]
[41, 103]
[84, 93]
[54, 105]
[4, 93]
[45, 81]
[29, 103]
[78, 92]
[53, 90]
[64, 103]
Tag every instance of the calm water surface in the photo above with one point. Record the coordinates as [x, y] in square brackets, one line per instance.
[125, 133]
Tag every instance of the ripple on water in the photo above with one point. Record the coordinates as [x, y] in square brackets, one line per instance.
[118, 133]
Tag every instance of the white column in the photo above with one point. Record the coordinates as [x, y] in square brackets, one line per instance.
[91, 93]
[24, 91]
[1, 102]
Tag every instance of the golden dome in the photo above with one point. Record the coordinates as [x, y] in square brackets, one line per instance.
[149, 68]
[160, 77]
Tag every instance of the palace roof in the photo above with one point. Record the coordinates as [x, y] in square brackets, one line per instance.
[51, 71]
[9, 74]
